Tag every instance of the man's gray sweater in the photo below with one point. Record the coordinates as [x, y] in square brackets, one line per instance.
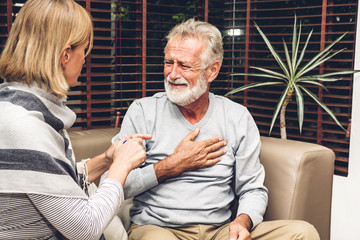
[202, 196]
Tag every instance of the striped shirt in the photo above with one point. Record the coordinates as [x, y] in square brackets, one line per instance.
[35, 216]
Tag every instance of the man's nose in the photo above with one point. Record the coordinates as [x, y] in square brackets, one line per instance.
[175, 72]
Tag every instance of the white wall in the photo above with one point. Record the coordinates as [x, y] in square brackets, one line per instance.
[345, 221]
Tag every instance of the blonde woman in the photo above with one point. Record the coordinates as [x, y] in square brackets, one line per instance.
[41, 191]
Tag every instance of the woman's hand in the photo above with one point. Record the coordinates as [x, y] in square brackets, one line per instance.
[110, 152]
[129, 152]
[126, 154]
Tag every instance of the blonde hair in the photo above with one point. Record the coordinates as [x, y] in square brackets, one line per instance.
[39, 35]
[204, 31]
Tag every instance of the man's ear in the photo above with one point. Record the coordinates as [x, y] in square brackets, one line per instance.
[213, 70]
[65, 56]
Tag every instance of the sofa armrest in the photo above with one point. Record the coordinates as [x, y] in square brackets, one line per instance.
[90, 143]
[299, 178]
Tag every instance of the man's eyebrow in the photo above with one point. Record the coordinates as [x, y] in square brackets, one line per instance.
[185, 62]
[182, 62]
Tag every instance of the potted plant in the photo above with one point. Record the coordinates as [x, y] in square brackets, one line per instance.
[293, 77]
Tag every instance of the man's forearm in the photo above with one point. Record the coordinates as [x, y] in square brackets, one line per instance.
[140, 180]
[167, 168]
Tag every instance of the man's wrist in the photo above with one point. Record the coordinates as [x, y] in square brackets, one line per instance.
[166, 168]
[245, 220]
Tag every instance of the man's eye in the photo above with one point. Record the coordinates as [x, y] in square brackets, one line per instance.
[185, 66]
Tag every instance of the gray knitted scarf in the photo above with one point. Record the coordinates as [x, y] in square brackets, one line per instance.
[35, 151]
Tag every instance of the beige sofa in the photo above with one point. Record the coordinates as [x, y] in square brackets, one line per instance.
[298, 176]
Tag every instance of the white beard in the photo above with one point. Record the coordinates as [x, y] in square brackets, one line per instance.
[183, 97]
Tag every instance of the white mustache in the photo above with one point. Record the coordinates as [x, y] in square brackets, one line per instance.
[177, 81]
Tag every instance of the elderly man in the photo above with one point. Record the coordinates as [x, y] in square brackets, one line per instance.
[202, 143]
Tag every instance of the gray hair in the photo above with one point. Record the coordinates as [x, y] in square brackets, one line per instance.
[202, 30]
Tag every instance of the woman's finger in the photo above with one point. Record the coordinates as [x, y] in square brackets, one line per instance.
[142, 136]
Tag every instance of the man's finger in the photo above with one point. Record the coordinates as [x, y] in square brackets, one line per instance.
[211, 141]
[211, 162]
[216, 154]
[233, 235]
[215, 146]
[192, 135]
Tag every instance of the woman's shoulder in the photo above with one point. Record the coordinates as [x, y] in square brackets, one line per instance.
[34, 102]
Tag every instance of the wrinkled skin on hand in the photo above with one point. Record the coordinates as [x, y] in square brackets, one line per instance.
[190, 155]
[240, 228]
[136, 137]
[127, 153]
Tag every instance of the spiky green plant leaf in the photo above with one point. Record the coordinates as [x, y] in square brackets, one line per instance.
[303, 50]
[317, 79]
[282, 76]
[321, 104]
[317, 84]
[257, 75]
[314, 59]
[292, 76]
[295, 48]
[300, 106]
[252, 85]
[273, 51]
[316, 64]
[288, 60]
